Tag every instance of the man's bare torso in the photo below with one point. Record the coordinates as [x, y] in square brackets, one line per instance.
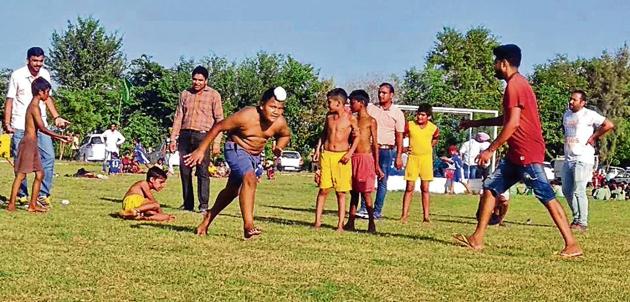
[252, 135]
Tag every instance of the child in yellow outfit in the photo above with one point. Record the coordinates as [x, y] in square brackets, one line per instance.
[336, 167]
[423, 136]
[139, 202]
[5, 146]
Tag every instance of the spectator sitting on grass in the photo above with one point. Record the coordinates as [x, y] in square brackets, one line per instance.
[602, 193]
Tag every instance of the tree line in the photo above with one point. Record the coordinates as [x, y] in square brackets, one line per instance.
[96, 85]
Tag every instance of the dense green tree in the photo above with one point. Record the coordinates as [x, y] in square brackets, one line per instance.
[5, 74]
[85, 55]
[458, 73]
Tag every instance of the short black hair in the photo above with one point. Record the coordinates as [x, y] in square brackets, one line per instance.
[40, 84]
[508, 52]
[388, 85]
[200, 70]
[155, 172]
[581, 93]
[360, 95]
[426, 108]
[34, 52]
[338, 93]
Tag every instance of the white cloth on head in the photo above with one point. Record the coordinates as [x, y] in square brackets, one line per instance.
[20, 91]
[113, 139]
[578, 128]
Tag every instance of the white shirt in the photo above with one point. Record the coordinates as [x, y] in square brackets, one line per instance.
[113, 139]
[388, 122]
[469, 151]
[578, 127]
[20, 91]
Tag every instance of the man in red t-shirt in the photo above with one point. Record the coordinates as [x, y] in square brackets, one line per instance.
[526, 151]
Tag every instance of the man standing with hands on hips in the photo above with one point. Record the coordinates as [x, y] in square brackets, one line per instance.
[390, 125]
[199, 108]
[19, 96]
[579, 154]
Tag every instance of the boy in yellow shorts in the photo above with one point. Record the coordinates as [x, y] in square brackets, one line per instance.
[139, 202]
[336, 168]
[423, 136]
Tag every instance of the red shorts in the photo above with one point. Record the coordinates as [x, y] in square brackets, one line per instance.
[28, 156]
[363, 172]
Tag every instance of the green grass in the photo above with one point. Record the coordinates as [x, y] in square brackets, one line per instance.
[80, 252]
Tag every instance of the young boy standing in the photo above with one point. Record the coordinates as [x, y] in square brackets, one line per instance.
[365, 164]
[28, 159]
[423, 136]
[139, 202]
[248, 131]
[336, 168]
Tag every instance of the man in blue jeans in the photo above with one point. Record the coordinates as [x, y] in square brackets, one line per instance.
[579, 154]
[19, 95]
[390, 125]
[522, 131]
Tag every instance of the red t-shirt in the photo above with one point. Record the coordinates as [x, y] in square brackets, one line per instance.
[526, 145]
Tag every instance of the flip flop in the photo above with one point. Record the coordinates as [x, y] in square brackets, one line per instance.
[462, 240]
[251, 233]
[571, 255]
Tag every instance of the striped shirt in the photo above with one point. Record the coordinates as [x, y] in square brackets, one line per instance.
[197, 111]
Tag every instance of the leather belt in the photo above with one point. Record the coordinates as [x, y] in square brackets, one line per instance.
[389, 147]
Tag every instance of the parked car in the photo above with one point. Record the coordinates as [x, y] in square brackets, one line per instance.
[92, 148]
[612, 172]
[623, 177]
[290, 161]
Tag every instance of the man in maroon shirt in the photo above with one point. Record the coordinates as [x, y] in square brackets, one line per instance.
[526, 151]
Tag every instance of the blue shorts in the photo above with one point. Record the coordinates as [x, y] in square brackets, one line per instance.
[240, 162]
[533, 175]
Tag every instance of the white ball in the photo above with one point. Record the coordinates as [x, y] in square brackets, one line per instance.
[65, 202]
[280, 93]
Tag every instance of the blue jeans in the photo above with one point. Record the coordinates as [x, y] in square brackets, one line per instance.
[385, 158]
[47, 155]
[576, 175]
[470, 172]
[533, 175]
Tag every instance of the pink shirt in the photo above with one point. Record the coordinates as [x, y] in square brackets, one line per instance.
[388, 122]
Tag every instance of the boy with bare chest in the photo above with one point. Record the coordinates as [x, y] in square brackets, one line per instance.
[336, 168]
[365, 164]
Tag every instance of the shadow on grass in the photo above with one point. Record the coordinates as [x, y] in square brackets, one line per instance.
[168, 227]
[304, 210]
[473, 221]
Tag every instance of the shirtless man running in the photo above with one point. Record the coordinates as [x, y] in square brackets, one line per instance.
[248, 131]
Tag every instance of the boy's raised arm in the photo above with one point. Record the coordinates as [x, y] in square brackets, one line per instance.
[283, 137]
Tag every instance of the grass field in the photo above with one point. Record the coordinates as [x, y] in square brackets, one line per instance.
[80, 252]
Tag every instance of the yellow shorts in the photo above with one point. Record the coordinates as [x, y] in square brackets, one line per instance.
[335, 174]
[419, 166]
[132, 201]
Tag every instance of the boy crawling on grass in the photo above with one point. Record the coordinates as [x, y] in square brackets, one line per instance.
[139, 202]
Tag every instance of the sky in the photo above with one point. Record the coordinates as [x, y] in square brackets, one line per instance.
[347, 41]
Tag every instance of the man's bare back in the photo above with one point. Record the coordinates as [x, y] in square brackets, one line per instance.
[338, 128]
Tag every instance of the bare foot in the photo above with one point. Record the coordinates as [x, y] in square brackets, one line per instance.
[404, 219]
[36, 209]
[340, 229]
[349, 227]
[202, 229]
[251, 233]
[426, 220]
[11, 207]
